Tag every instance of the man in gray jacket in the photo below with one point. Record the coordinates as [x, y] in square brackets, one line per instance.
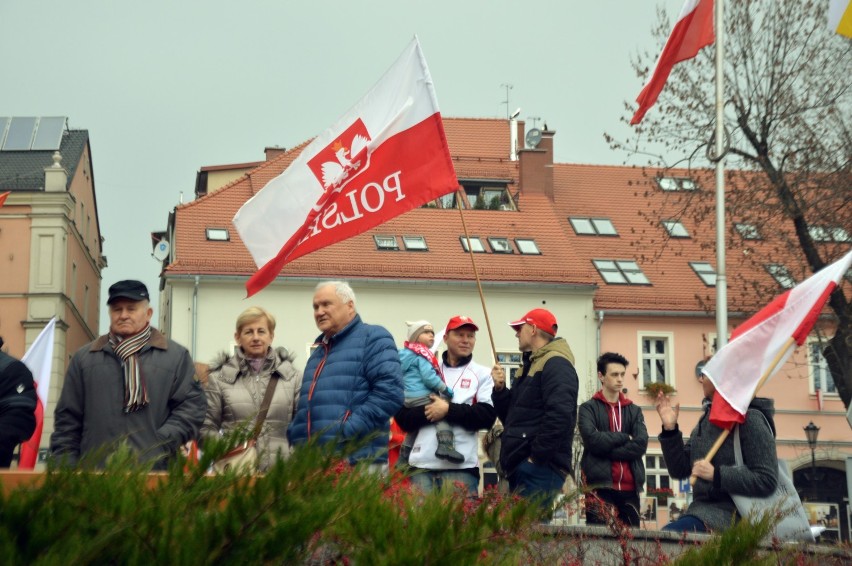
[131, 385]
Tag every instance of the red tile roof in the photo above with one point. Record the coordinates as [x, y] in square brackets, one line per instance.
[628, 196]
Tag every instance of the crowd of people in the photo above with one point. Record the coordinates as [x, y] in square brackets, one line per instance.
[133, 386]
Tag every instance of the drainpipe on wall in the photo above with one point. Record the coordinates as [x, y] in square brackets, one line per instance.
[195, 317]
[600, 322]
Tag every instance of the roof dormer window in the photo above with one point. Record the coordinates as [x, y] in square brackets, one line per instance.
[475, 244]
[675, 228]
[621, 272]
[500, 245]
[218, 234]
[593, 226]
[386, 243]
[676, 184]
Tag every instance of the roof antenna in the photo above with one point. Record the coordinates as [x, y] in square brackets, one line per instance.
[508, 87]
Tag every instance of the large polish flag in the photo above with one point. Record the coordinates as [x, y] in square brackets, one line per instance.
[388, 154]
[39, 359]
[767, 338]
[692, 32]
[840, 17]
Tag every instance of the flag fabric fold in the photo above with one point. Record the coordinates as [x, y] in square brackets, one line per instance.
[692, 32]
[3, 197]
[39, 360]
[840, 17]
[387, 155]
[762, 344]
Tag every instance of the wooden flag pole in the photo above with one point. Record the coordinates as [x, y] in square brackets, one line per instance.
[718, 444]
[476, 274]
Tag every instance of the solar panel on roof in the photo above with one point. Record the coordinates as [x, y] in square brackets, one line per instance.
[20, 134]
[49, 133]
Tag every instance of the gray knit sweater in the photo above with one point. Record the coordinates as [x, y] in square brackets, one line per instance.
[757, 477]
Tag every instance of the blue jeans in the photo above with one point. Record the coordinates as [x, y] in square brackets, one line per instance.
[532, 480]
[430, 480]
[687, 524]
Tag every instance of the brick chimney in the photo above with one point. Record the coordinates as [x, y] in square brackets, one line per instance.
[536, 166]
[273, 152]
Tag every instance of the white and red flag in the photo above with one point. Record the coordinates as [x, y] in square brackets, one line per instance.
[39, 360]
[387, 155]
[692, 32]
[762, 344]
[3, 197]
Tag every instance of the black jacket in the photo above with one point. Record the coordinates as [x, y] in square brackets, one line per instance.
[603, 446]
[17, 406]
[539, 412]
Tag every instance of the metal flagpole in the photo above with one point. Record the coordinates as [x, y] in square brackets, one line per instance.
[719, 157]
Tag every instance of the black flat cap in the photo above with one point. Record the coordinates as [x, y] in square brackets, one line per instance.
[128, 289]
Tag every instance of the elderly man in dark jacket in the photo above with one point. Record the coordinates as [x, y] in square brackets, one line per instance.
[352, 382]
[131, 385]
[614, 443]
[17, 405]
[539, 412]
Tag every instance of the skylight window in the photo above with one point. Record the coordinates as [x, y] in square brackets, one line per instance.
[415, 243]
[475, 244]
[527, 246]
[593, 226]
[676, 183]
[705, 272]
[386, 242]
[218, 234]
[781, 274]
[675, 229]
[828, 234]
[621, 272]
[747, 231]
[500, 245]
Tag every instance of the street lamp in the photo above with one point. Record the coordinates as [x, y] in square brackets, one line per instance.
[812, 432]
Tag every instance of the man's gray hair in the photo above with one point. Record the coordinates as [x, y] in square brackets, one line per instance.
[341, 289]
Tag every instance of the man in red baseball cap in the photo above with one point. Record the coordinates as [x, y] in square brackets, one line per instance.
[471, 410]
[539, 412]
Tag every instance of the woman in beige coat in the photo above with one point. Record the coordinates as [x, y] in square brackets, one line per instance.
[237, 384]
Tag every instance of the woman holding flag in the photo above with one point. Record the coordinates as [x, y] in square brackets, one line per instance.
[712, 508]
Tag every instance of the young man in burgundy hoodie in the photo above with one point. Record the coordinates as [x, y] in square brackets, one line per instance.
[614, 444]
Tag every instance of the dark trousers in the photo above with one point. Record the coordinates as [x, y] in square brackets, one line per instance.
[603, 504]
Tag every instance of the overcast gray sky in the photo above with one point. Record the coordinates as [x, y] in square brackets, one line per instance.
[166, 87]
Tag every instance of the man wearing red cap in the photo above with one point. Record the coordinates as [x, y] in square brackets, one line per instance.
[471, 410]
[539, 411]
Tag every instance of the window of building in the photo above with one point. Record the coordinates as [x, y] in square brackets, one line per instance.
[676, 183]
[512, 363]
[527, 246]
[675, 229]
[475, 244]
[386, 242]
[500, 245]
[593, 226]
[218, 234]
[781, 274]
[747, 231]
[621, 272]
[821, 377]
[415, 243]
[487, 196]
[705, 272]
[656, 473]
[828, 234]
[656, 355]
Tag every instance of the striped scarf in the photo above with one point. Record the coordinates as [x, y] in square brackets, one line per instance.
[135, 393]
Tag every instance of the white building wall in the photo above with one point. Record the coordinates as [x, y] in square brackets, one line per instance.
[385, 302]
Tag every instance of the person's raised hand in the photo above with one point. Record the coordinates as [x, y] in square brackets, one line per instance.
[668, 413]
